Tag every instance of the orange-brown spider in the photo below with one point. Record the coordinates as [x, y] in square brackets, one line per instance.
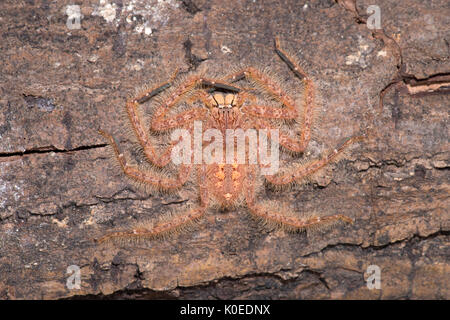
[222, 104]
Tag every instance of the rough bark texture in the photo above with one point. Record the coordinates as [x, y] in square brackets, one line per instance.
[58, 190]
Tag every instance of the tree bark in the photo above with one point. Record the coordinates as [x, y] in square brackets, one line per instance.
[58, 189]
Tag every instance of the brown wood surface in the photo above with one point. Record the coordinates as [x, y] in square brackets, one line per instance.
[58, 189]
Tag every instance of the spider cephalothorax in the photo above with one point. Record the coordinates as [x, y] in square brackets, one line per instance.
[214, 109]
[224, 109]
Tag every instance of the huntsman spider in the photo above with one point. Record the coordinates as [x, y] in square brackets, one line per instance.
[226, 103]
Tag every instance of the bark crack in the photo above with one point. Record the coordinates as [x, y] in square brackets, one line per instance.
[434, 84]
[49, 149]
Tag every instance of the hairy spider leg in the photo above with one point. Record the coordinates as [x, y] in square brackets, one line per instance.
[163, 158]
[168, 225]
[197, 87]
[192, 85]
[147, 177]
[302, 171]
[284, 139]
[162, 123]
[309, 94]
[273, 214]
[291, 110]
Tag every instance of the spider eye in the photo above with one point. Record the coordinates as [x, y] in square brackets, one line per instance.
[229, 99]
[223, 101]
[219, 98]
[211, 102]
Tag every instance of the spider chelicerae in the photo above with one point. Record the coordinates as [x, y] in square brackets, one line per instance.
[222, 104]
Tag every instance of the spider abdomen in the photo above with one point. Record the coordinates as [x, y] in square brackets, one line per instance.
[225, 183]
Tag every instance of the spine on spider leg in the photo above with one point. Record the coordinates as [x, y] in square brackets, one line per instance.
[311, 169]
[118, 162]
[308, 113]
[128, 129]
[114, 150]
[159, 181]
[147, 92]
[291, 60]
[274, 215]
[134, 117]
[165, 227]
[340, 150]
[136, 131]
[272, 87]
[304, 171]
[145, 145]
[142, 96]
[183, 90]
[324, 223]
[148, 179]
[315, 168]
[309, 103]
